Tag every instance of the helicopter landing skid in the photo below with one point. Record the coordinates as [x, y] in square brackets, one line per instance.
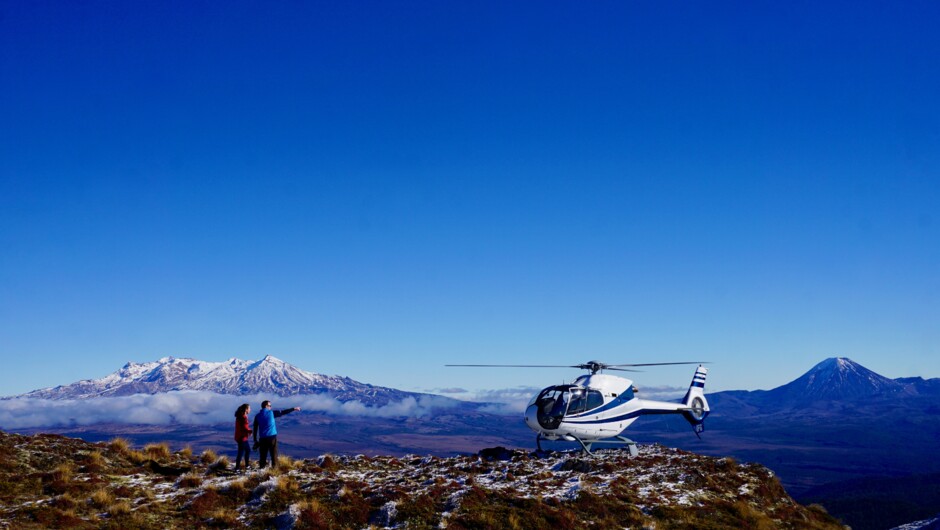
[586, 447]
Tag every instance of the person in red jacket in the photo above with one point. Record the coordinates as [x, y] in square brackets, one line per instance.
[242, 434]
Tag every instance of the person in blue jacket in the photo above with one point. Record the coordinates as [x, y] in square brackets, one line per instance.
[265, 432]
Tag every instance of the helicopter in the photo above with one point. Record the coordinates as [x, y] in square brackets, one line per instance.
[596, 408]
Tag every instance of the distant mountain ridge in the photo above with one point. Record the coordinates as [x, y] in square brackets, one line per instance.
[234, 376]
[836, 379]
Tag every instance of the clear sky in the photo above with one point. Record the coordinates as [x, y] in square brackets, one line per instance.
[375, 189]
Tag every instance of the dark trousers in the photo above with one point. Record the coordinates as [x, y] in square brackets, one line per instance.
[244, 449]
[265, 446]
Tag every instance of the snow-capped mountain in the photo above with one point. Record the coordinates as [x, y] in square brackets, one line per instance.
[234, 376]
[835, 378]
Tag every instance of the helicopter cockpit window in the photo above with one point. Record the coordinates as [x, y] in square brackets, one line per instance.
[594, 399]
[584, 400]
[552, 404]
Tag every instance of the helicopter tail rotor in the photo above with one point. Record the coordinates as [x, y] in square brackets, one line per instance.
[697, 405]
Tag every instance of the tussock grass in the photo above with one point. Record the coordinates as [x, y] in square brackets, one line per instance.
[237, 492]
[286, 484]
[119, 509]
[221, 463]
[136, 457]
[160, 451]
[223, 518]
[63, 472]
[101, 498]
[59, 480]
[208, 456]
[189, 480]
[119, 445]
[93, 462]
[186, 452]
[285, 493]
[287, 463]
[68, 517]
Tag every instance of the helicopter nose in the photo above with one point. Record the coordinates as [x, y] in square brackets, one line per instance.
[531, 418]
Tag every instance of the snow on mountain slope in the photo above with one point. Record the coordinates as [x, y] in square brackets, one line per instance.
[234, 376]
[834, 378]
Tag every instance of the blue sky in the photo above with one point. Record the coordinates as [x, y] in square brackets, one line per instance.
[375, 189]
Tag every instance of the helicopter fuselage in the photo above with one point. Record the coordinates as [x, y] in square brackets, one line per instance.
[600, 406]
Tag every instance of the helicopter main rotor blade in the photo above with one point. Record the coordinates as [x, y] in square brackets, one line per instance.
[610, 366]
[513, 365]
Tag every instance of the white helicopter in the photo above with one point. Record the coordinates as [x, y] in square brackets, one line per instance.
[597, 407]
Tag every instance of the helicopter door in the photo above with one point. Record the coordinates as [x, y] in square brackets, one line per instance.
[584, 400]
[552, 405]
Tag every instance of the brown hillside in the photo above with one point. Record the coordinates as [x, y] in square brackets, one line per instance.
[49, 481]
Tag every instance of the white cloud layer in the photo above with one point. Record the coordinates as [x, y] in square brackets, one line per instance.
[191, 407]
[505, 401]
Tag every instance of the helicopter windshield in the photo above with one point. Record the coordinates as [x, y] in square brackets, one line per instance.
[553, 403]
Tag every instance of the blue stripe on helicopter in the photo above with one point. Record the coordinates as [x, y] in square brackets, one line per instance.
[634, 414]
[700, 385]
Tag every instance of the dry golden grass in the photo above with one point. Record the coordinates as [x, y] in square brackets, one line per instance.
[190, 480]
[119, 445]
[63, 472]
[287, 484]
[287, 463]
[223, 518]
[137, 457]
[101, 498]
[158, 451]
[221, 464]
[186, 452]
[119, 508]
[208, 456]
[237, 489]
[93, 461]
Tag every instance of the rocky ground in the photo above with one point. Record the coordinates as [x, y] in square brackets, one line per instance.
[50, 481]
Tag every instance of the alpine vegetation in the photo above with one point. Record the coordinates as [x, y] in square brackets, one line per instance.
[50, 481]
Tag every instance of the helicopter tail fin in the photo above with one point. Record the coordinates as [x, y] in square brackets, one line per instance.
[696, 402]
